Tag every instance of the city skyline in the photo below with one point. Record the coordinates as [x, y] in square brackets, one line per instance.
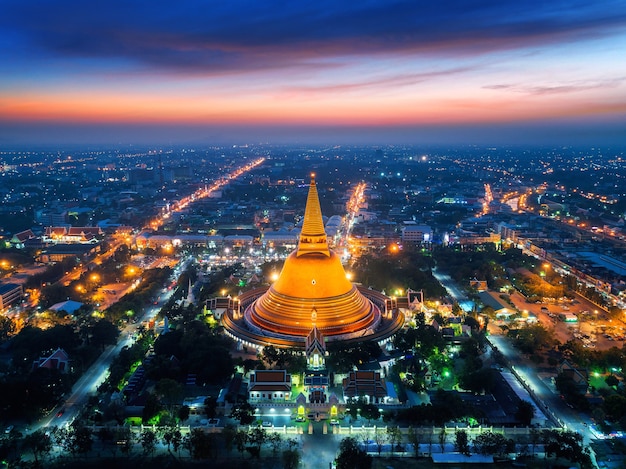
[376, 72]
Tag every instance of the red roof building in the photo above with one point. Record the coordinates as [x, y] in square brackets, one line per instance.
[368, 384]
[58, 360]
[269, 385]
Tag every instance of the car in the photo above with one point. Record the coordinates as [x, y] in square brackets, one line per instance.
[8, 429]
[60, 412]
[267, 423]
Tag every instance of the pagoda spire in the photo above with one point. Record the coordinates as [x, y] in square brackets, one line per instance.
[313, 235]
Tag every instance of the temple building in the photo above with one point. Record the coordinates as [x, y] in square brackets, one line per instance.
[312, 299]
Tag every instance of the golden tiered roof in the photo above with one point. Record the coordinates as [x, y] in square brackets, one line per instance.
[312, 289]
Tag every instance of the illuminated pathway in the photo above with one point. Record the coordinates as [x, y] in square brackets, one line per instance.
[353, 209]
[205, 192]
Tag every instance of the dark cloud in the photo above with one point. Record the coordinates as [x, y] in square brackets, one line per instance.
[211, 37]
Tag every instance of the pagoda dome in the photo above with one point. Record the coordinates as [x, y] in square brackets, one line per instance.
[312, 289]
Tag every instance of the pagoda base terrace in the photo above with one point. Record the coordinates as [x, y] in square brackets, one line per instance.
[388, 321]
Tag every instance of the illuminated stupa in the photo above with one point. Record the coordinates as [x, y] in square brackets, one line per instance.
[312, 291]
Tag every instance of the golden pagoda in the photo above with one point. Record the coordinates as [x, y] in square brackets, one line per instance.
[312, 289]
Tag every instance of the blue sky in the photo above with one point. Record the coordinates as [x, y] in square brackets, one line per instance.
[369, 71]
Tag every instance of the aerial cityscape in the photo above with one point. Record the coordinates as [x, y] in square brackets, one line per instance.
[259, 234]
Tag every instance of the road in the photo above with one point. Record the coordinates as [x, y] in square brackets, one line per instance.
[88, 384]
[544, 392]
[453, 290]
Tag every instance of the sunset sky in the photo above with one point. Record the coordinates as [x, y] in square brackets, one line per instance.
[369, 71]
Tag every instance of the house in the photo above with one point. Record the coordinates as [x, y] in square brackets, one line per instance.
[368, 384]
[502, 309]
[19, 239]
[57, 360]
[269, 385]
[579, 376]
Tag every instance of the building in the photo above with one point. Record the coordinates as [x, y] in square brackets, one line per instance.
[417, 234]
[57, 360]
[315, 350]
[58, 252]
[10, 293]
[366, 384]
[20, 239]
[578, 376]
[311, 292]
[73, 235]
[269, 385]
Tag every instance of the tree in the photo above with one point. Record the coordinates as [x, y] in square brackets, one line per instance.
[270, 355]
[257, 437]
[177, 439]
[492, 443]
[210, 406]
[38, 443]
[148, 441]
[370, 412]
[7, 328]
[353, 410]
[535, 438]
[568, 445]
[170, 391]
[461, 442]
[104, 333]
[413, 438]
[532, 338]
[525, 412]
[351, 456]
[168, 436]
[124, 439]
[183, 413]
[151, 408]
[275, 441]
[243, 412]
[201, 444]
[79, 439]
[228, 433]
[291, 458]
[395, 437]
[611, 381]
[241, 438]
[380, 437]
[442, 439]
